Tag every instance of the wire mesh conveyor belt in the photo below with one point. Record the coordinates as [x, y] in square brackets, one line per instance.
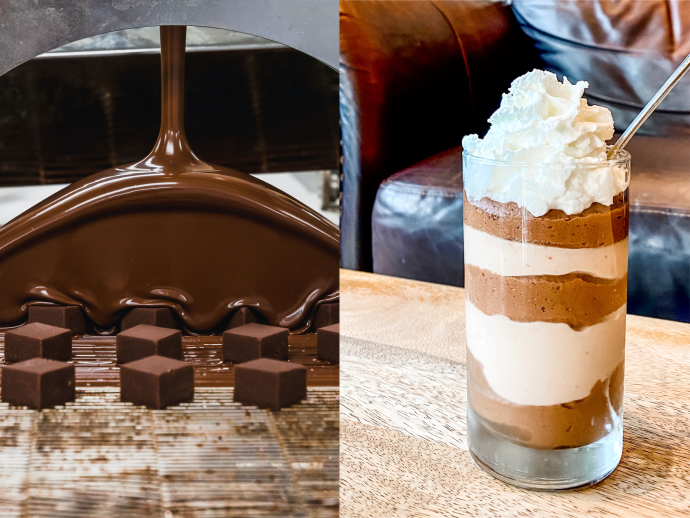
[211, 458]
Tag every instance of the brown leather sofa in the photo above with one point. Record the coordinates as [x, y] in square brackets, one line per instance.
[416, 76]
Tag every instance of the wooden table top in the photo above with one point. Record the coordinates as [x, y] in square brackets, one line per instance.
[403, 427]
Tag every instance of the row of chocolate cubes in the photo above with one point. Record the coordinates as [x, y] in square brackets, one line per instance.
[151, 371]
[72, 317]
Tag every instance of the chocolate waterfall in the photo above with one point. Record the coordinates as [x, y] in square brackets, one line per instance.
[170, 231]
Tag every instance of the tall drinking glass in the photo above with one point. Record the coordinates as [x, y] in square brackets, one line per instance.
[545, 304]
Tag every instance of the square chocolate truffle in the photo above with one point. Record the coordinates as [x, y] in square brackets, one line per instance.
[270, 384]
[327, 315]
[253, 341]
[328, 343]
[157, 382]
[241, 317]
[142, 341]
[67, 317]
[159, 317]
[38, 341]
[38, 383]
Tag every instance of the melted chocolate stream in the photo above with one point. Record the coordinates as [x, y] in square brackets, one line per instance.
[172, 152]
[172, 231]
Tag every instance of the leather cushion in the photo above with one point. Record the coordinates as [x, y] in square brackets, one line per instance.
[415, 77]
[625, 50]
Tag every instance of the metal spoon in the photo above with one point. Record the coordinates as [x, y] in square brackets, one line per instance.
[651, 106]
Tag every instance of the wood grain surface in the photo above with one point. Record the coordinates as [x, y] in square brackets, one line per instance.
[403, 430]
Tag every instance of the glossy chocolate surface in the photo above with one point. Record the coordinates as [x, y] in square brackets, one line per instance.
[68, 317]
[38, 383]
[157, 382]
[328, 344]
[170, 231]
[327, 315]
[159, 317]
[144, 340]
[254, 341]
[267, 383]
[36, 340]
[242, 317]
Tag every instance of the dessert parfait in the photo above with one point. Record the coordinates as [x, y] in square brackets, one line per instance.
[546, 250]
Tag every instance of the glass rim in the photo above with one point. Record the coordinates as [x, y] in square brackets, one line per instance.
[620, 157]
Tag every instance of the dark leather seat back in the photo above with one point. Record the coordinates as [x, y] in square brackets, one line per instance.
[415, 77]
[625, 49]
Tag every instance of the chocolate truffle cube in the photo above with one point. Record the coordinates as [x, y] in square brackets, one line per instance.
[156, 382]
[159, 317]
[241, 317]
[253, 341]
[38, 341]
[327, 315]
[269, 383]
[67, 317]
[328, 343]
[38, 383]
[142, 341]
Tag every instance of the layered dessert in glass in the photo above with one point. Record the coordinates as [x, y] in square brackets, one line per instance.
[546, 250]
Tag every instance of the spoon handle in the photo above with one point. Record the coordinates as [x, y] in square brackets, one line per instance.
[651, 106]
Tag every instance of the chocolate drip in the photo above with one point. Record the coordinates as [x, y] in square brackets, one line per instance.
[172, 152]
[170, 231]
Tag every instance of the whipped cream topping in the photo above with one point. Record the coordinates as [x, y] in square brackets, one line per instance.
[557, 146]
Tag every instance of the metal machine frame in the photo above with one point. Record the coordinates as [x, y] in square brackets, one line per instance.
[29, 29]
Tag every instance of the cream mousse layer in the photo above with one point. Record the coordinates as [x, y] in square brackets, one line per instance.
[544, 363]
[515, 258]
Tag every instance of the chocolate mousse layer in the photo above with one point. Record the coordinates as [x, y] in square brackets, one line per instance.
[568, 425]
[598, 225]
[576, 299]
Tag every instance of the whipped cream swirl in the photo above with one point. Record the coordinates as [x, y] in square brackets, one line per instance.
[557, 146]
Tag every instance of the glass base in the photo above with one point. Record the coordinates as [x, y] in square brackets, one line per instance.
[543, 470]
